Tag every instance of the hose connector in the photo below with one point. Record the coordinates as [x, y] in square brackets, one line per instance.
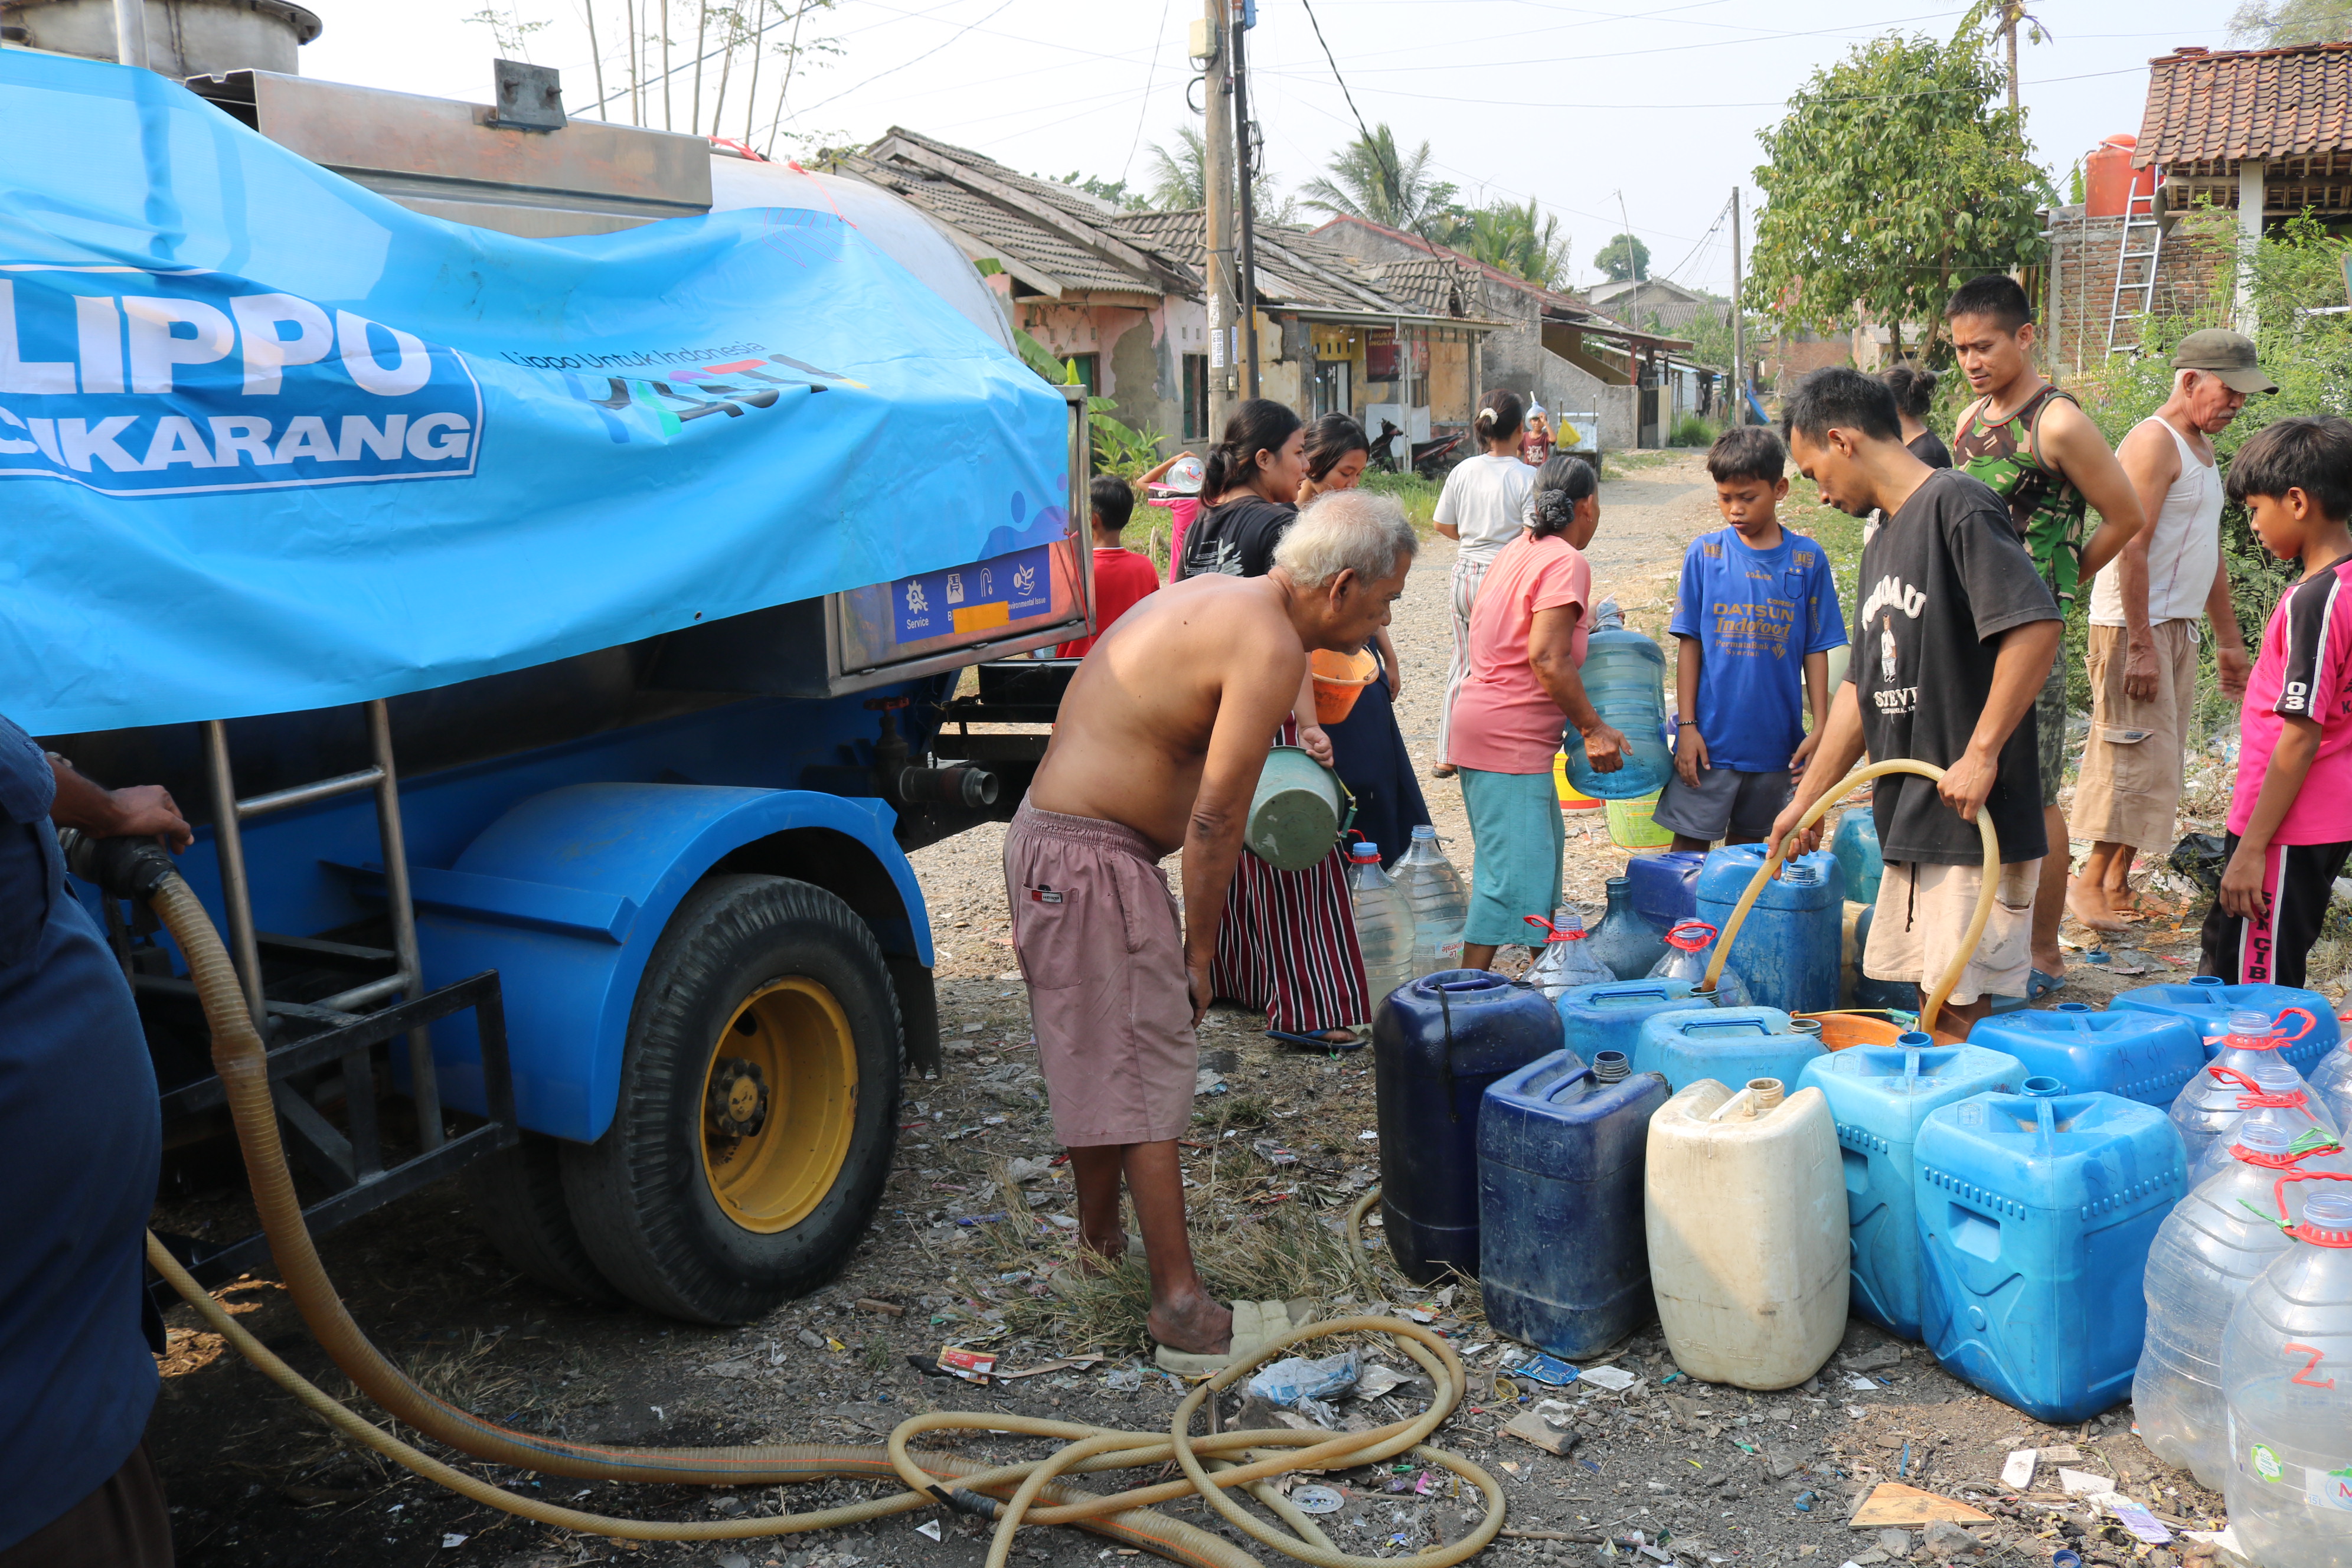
[125, 867]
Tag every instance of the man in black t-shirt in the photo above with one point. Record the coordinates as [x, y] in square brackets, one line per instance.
[1953, 635]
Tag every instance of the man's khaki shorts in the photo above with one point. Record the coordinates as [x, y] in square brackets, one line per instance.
[2129, 789]
[1923, 913]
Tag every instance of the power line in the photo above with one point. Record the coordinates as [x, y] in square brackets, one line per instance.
[1556, 106]
[1144, 113]
[1385, 157]
[902, 65]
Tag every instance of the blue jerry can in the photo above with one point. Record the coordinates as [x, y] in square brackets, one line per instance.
[1788, 950]
[2138, 1053]
[1730, 1044]
[1666, 887]
[2307, 1018]
[1878, 1095]
[2035, 1219]
[1605, 1017]
[1437, 1043]
[1563, 1264]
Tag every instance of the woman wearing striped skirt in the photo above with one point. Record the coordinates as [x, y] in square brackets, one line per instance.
[1484, 506]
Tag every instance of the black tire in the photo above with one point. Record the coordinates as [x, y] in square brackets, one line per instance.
[518, 1198]
[794, 970]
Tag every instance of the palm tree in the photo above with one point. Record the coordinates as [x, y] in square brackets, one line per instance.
[1369, 180]
[1518, 239]
[1179, 181]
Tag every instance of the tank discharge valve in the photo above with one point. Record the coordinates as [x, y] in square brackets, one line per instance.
[965, 787]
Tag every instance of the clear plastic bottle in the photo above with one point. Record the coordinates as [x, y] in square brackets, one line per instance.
[2284, 1104]
[1565, 961]
[2210, 1249]
[2209, 1102]
[2286, 1362]
[2331, 1080]
[1439, 902]
[1690, 948]
[1383, 923]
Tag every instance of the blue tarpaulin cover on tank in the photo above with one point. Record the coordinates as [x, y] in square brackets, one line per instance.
[270, 442]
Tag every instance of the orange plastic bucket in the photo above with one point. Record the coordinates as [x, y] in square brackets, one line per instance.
[1340, 679]
[1839, 1030]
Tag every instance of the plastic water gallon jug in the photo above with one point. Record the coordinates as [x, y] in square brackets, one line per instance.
[2286, 1362]
[1562, 1263]
[2332, 1081]
[2306, 1020]
[2275, 1099]
[1690, 949]
[2141, 1055]
[2209, 1251]
[1438, 900]
[1565, 962]
[1383, 923]
[1878, 1095]
[1664, 887]
[1623, 941]
[1624, 678]
[1745, 1212]
[1730, 1044]
[2035, 1219]
[1436, 1045]
[1855, 845]
[1786, 952]
[1608, 1017]
[2247, 1062]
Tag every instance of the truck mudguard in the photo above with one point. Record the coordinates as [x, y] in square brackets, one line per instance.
[567, 894]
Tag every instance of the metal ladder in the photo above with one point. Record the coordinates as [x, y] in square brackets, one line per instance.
[2138, 254]
[341, 1031]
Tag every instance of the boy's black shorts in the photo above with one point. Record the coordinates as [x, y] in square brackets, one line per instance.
[2297, 881]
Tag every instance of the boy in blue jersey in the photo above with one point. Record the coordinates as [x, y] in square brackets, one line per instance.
[1757, 614]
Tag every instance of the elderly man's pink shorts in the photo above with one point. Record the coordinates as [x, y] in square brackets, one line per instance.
[1101, 946]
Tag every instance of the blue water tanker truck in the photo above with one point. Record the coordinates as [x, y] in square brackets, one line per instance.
[544, 558]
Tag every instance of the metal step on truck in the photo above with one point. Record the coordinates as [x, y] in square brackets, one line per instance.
[540, 555]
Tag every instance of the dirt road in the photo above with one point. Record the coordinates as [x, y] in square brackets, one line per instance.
[1699, 1474]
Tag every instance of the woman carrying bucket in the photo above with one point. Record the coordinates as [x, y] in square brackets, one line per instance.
[1524, 646]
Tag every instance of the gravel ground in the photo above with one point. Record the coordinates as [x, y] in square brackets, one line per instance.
[1667, 1469]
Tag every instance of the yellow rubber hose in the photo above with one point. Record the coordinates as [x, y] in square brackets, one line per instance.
[1845, 786]
[1246, 1459]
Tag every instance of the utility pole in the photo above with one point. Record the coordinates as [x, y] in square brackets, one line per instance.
[1245, 18]
[1217, 188]
[1738, 325]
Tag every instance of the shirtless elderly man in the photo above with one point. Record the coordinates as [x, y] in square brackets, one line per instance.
[1158, 747]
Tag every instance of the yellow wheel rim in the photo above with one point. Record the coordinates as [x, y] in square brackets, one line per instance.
[779, 1104]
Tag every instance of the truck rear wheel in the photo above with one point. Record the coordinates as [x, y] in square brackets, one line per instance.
[757, 1106]
[518, 1196]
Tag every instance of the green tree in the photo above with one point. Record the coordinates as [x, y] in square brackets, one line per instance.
[1178, 179]
[1896, 175]
[1624, 259]
[1115, 191]
[2288, 22]
[1370, 180]
[1521, 239]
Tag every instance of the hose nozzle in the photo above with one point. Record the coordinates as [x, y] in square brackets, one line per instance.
[125, 867]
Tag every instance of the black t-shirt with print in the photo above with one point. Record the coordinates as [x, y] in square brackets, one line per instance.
[1237, 538]
[1939, 579]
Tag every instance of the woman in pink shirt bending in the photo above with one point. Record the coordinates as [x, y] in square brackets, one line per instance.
[1527, 639]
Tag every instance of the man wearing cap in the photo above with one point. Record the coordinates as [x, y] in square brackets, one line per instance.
[2145, 605]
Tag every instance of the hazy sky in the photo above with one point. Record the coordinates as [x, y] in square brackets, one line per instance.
[1582, 107]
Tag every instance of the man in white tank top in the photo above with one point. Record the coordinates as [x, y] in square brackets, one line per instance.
[2145, 606]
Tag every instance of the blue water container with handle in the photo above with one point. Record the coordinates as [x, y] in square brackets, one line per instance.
[1789, 950]
[2307, 1017]
[1598, 1018]
[1437, 1043]
[1730, 1044]
[1563, 1262]
[2138, 1053]
[2036, 1213]
[1624, 678]
[1855, 845]
[1664, 887]
[1878, 1096]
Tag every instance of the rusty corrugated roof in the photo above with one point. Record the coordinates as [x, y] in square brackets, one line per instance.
[2231, 105]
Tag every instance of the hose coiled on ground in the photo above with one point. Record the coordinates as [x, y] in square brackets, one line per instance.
[1011, 1493]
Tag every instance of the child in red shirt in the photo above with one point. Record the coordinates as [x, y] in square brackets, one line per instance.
[1121, 575]
[2290, 825]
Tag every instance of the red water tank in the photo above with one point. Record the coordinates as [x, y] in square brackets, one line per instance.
[2109, 180]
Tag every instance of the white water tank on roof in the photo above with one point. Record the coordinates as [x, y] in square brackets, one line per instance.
[185, 38]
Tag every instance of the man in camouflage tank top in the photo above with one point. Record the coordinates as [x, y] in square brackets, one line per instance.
[2035, 446]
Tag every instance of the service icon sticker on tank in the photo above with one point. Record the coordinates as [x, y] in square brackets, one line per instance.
[2267, 1463]
[992, 593]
